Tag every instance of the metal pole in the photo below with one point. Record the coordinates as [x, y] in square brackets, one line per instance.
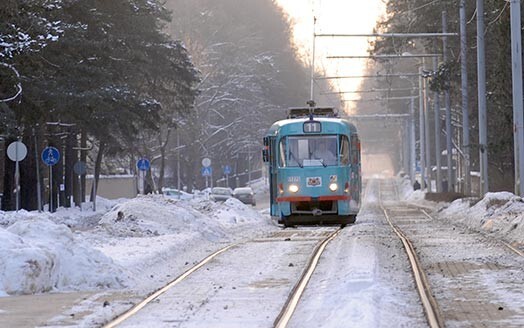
[438, 150]
[407, 143]
[427, 136]
[37, 166]
[178, 161]
[412, 140]
[481, 76]
[17, 179]
[465, 112]
[311, 96]
[518, 119]
[422, 142]
[248, 166]
[447, 100]
[50, 188]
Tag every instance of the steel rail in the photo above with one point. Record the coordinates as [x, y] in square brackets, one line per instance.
[137, 307]
[289, 307]
[429, 303]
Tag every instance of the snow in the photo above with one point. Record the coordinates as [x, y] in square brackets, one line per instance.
[122, 244]
[500, 214]
[75, 249]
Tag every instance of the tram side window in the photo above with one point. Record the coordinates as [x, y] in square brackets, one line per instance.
[355, 145]
[344, 150]
[282, 153]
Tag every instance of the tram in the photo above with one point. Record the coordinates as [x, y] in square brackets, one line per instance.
[314, 166]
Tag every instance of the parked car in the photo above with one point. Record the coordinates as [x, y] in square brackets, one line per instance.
[245, 195]
[175, 193]
[220, 194]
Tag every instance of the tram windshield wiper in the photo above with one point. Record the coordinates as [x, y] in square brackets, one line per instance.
[322, 161]
[296, 160]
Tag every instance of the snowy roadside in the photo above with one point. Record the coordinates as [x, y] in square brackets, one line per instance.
[498, 214]
[122, 245]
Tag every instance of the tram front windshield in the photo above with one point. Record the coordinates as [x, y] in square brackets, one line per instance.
[304, 151]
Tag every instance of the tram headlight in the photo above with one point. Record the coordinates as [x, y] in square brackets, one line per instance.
[293, 188]
[333, 186]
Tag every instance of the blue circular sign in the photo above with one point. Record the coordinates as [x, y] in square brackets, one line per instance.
[227, 170]
[143, 164]
[50, 156]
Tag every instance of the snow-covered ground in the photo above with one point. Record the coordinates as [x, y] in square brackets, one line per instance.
[116, 246]
[137, 245]
[500, 214]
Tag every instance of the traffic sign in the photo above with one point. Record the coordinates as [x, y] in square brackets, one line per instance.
[50, 156]
[206, 171]
[206, 162]
[17, 151]
[227, 170]
[80, 168]
[143, 164]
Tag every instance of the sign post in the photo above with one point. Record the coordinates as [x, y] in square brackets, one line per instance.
[227, 172]
[16, 152]
[206, 163]
[50, 156]
[142, 165]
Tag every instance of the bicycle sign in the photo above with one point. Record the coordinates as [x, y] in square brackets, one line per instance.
[50, 156]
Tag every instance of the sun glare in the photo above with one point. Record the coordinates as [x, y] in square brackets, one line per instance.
[334, 17]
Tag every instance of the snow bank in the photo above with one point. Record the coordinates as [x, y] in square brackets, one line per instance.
[83, 250]
[38, 255]
[498, 213]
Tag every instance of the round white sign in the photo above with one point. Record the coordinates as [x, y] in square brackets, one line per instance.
[17, 151]
[206, 162]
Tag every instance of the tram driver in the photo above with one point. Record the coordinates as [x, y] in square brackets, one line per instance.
[323, 152]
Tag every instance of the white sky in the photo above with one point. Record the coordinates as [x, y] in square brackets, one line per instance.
[335, 17]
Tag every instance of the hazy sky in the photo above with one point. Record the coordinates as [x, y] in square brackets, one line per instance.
[335, 17]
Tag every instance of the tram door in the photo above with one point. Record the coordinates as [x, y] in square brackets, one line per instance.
[269, 156]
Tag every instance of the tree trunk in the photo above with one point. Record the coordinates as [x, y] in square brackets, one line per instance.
[83, 158]
[98, 163]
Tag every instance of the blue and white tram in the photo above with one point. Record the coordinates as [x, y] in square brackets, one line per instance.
[314, 167]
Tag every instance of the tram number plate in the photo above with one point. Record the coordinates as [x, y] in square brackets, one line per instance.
[314, 182]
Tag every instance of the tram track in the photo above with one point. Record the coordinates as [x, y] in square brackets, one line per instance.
[484, 256]
[429, 303]
[321, 236]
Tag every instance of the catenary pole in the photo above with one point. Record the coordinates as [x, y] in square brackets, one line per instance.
[464, 88]
[447, 102]
[438, 150]
[427, 136]
[516, 67]
[412, 140]
[421, 142]
[481, 76]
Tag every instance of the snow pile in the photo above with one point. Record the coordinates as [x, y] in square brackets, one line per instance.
[115, 246]
[499, 213]
[38, 255]
[406, 191]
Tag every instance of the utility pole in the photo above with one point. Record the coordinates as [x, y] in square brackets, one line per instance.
[438, 151]
[518, 118]
[447, 101]
[427, 137]
[465, 111]
[481, 76]
[422, 134]
[413, 157]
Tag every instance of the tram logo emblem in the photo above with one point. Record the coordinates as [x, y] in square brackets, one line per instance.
[332, 178]
[314, 181]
